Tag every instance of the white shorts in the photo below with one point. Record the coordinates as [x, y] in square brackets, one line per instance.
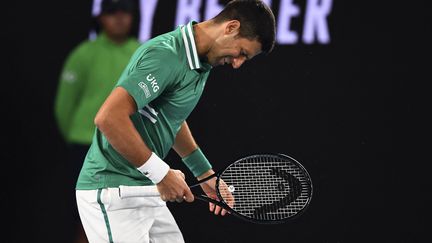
[108, 218]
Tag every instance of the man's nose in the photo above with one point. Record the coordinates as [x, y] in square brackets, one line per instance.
[238, 61]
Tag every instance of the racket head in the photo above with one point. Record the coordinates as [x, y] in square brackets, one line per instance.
[265, 188]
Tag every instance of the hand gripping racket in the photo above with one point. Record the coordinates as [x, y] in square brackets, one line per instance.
[264, 188]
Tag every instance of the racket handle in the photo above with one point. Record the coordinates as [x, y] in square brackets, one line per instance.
[138, 191]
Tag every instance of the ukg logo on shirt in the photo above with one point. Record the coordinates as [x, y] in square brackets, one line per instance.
[153, 82]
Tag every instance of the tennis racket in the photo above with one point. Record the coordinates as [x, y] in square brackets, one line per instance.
[264, 188]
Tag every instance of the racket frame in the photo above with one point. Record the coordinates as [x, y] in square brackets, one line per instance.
[225, 206]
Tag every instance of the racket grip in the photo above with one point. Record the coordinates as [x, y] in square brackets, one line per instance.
[138, 191]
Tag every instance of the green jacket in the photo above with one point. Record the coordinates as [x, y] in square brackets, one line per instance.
[89, 75]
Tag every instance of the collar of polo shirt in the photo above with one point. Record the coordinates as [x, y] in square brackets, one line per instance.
[190, 47]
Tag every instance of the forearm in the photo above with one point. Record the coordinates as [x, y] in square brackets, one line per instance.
[191, 154]
[113, 120]
[184, 143]
[122, 135]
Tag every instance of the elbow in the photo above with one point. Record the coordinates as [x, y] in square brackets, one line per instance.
[101, 121]
[106, 119]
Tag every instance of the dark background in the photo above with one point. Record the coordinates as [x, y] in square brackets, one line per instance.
[345, 110]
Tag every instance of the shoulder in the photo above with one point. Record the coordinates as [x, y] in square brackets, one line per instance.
[166, 47]
[162, 55]
[82, 50]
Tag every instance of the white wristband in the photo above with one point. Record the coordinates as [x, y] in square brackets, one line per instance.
[154, 168]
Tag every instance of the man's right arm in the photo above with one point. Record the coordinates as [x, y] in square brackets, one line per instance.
[71, 83]
[113, 120]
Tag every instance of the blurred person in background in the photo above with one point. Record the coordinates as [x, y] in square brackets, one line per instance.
[88, 76]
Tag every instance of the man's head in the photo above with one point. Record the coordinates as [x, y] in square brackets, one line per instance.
[248, 30]
[116, 18]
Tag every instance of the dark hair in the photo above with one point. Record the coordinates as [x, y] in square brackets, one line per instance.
[256, 21]
[111, 6]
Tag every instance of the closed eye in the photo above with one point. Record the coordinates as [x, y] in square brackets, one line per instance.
[243, 53]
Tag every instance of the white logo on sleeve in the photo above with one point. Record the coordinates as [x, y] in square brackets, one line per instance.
[69, 76]
[153, 82]
[144, 87]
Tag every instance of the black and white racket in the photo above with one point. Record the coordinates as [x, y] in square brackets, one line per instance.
[264, 188]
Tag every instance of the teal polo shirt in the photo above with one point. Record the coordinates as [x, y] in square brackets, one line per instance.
[166, 79]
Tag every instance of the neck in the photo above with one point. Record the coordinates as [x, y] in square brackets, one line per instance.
[117, 39]
[205, 34]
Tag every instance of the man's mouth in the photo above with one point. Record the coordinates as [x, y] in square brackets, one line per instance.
[225, 61]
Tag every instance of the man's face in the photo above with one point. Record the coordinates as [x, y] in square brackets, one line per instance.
[117, 24]
[229, 48]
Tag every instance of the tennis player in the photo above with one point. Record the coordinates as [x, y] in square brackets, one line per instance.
[145, 116]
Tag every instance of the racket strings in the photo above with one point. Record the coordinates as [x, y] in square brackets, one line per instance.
[265, 187]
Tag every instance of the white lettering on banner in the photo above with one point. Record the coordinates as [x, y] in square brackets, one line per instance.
[212, 9]
[147, 10]
[187, 10]
[315, 29]
[153, 82]
[315, 21]
[96, 7]
[287, 10]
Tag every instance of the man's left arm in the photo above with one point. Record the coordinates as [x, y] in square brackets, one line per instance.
[195, 160]
[184, 143]
[186, 147]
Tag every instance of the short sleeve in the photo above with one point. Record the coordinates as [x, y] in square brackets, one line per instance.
[150, 75]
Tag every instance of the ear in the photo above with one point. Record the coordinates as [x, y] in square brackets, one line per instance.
[232, 27]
